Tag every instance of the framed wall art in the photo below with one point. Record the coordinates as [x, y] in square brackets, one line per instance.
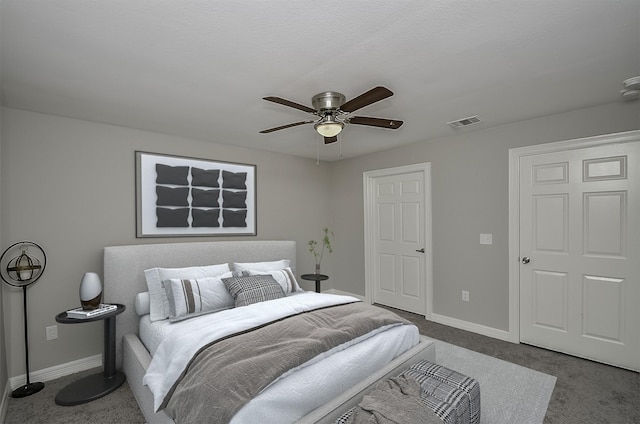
[182, 196]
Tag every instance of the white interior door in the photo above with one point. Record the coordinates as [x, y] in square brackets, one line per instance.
[580, 252]
[398, 239]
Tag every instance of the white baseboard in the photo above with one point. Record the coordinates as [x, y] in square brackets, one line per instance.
[471, 326]
[58, 371]
[334, 291]
[4, 404]
[451, 322]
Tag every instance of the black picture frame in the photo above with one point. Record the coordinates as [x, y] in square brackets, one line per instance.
[178, 196]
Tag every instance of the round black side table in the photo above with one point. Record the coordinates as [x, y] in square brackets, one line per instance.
[97, 385]
[315, 277]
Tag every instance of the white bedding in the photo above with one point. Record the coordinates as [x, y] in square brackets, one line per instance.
[152, 333]
[297, 392]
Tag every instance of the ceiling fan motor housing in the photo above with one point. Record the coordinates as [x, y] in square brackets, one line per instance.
[329, 100]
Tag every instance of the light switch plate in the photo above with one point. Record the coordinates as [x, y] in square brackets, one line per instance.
[52, 332]
[486, 238]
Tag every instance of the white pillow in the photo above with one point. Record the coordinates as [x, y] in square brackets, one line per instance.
[261, 266]
[142, 303]
[193, 297]
[159, 307]
[284, 277]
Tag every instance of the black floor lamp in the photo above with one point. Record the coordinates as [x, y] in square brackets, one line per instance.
[22, 271]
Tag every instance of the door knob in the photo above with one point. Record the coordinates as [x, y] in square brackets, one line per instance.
[420, 250]
[526, 260]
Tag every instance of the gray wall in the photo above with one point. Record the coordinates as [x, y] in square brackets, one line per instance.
[3, 355]
[470, 196]
[69, 185]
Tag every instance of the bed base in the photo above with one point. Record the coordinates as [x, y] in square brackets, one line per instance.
[135, 361]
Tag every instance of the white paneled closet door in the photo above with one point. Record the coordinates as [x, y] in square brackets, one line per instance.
[397, 237]
[580, 252]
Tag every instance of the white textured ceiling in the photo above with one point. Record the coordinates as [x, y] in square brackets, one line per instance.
[199, 68]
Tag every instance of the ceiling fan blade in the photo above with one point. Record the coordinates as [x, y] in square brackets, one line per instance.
[391, 124]
[290, 104]
[295, 124]
[374, 95]
[329, 140]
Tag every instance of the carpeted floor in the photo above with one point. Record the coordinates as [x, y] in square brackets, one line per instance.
[509, 393]
[585, 392]
[119, 407]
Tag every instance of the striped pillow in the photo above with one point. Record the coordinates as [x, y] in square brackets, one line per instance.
[253, 289]
[284, 277]
[198, 296]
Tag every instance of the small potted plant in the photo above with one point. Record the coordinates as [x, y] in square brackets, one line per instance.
[317, 250]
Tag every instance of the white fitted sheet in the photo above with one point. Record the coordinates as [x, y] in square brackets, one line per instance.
[152, 333]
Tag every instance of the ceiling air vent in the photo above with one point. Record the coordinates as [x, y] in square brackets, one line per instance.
[464, 122]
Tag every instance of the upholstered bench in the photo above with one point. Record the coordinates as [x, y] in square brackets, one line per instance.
[454, 397]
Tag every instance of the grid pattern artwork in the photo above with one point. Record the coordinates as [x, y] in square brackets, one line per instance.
[184, 196]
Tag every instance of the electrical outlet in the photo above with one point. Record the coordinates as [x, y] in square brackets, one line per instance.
[52, 332]
[486, 238]
[465, 295]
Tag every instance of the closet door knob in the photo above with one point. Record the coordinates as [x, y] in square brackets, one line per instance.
[526, 260]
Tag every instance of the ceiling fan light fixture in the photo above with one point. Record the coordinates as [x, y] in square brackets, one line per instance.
[329, 128]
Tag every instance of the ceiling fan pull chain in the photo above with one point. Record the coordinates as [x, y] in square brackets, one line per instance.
[318, 153]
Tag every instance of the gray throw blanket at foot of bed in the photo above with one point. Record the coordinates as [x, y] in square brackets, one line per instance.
[394, 401]
[228, 373]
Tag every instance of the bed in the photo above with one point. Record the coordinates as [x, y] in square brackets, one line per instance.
[316, 391]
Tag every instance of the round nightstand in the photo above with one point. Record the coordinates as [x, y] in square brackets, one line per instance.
[315, 277]
[98, 385]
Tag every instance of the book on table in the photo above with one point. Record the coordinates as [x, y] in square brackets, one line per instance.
[80, 313]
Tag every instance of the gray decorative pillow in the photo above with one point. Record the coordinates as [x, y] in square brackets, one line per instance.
[253, 289]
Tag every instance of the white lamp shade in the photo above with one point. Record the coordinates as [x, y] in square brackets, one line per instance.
[329, 129]
[90, 290]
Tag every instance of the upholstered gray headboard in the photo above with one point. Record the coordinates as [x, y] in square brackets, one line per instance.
[124, 269]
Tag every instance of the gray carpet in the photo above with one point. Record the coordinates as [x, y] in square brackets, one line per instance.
[585, 392]
[119, 407]
[509, 393]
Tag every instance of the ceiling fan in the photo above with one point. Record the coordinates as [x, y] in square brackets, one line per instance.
[334, 111]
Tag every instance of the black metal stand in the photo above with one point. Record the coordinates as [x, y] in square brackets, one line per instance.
[29, 388]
